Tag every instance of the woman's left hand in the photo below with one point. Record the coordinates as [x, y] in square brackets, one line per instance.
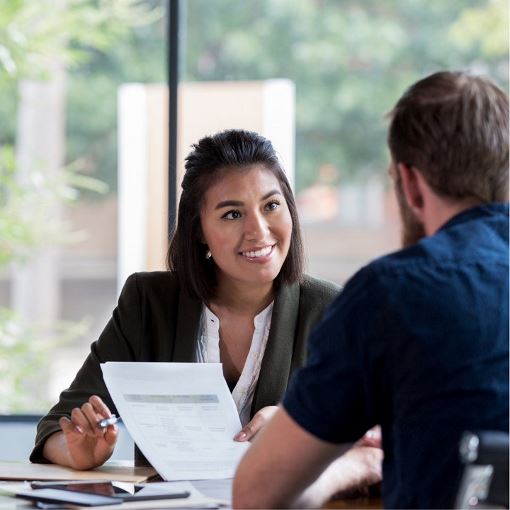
[255, 424]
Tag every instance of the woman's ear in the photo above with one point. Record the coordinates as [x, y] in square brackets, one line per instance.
[412, 187]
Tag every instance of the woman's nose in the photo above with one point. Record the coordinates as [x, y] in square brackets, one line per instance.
[255, 227]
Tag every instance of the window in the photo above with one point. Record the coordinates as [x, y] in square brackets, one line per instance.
[60, 72]
[83, 99]
[348, 62]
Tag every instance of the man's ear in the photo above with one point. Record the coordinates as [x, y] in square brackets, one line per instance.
[412, 188]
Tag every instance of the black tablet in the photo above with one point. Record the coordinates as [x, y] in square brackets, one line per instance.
[65, 496]
[106, 488]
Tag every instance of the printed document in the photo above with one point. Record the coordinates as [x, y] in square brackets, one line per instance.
[181, 416]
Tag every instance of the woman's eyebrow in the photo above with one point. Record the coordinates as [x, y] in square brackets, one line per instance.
[229, 203]
[239, 203]
[271, 193]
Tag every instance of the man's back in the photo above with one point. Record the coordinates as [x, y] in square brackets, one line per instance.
[418, 340]
[427, 328]
[446, 336]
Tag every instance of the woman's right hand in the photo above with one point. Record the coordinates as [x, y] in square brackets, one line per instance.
[86, 445]
[262, 416]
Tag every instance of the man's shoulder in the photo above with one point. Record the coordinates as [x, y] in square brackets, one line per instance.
[385, 279]
[478, 236]
[469, 248]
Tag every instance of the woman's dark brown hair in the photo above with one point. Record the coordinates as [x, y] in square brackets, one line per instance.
[210, 157]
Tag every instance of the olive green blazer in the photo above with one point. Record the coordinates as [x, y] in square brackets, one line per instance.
[155, 320]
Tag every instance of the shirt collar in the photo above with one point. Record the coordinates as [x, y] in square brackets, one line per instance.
[259, 321]
[476, 212]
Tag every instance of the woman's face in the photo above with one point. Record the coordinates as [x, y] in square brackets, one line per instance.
[247, 225]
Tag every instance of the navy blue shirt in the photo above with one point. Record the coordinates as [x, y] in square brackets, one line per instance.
[416, 342]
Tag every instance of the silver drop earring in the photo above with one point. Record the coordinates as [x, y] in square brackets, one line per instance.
[208, 254]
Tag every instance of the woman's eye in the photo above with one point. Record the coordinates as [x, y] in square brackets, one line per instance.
[273, 205]
[231, 215]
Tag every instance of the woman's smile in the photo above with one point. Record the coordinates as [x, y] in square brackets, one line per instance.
[259, 255]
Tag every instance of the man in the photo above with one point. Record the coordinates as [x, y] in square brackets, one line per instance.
[418, 340]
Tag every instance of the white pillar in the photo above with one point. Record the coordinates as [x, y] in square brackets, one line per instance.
[40, 142]
[132, 180]
[205, 108]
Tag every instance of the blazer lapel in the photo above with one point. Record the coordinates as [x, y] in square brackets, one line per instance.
[186, 331]
[276, 363]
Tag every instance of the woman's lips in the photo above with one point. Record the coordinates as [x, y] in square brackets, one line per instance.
[258, 255]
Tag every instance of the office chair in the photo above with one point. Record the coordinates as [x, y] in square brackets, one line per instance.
[484, 482]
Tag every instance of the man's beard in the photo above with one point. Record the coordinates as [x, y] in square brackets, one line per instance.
[412, 230]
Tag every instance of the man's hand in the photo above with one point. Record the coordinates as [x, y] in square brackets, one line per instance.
[247, 433]
[356, 469]
[282, 462]
[82, 444]
[288, 466]
[372, 438]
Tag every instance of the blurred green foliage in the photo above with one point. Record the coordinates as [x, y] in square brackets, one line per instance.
[350, 60]
[103, 43]
[24, 360]
[29, 222]
[28, 217]
[33, 36]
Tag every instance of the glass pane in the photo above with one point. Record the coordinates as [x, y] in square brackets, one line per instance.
[61, 67]
[347, 61]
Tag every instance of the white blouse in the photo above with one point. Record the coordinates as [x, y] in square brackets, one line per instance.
[208, 351]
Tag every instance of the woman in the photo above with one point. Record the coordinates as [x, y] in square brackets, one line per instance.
[235, 293]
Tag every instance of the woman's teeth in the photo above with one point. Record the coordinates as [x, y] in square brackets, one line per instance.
[259, 253]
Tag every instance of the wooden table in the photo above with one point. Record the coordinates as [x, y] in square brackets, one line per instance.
[355, 503]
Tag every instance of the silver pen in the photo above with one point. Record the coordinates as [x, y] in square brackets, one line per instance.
[106, 422]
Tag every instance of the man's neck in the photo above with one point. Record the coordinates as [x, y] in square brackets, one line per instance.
[440, 210]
